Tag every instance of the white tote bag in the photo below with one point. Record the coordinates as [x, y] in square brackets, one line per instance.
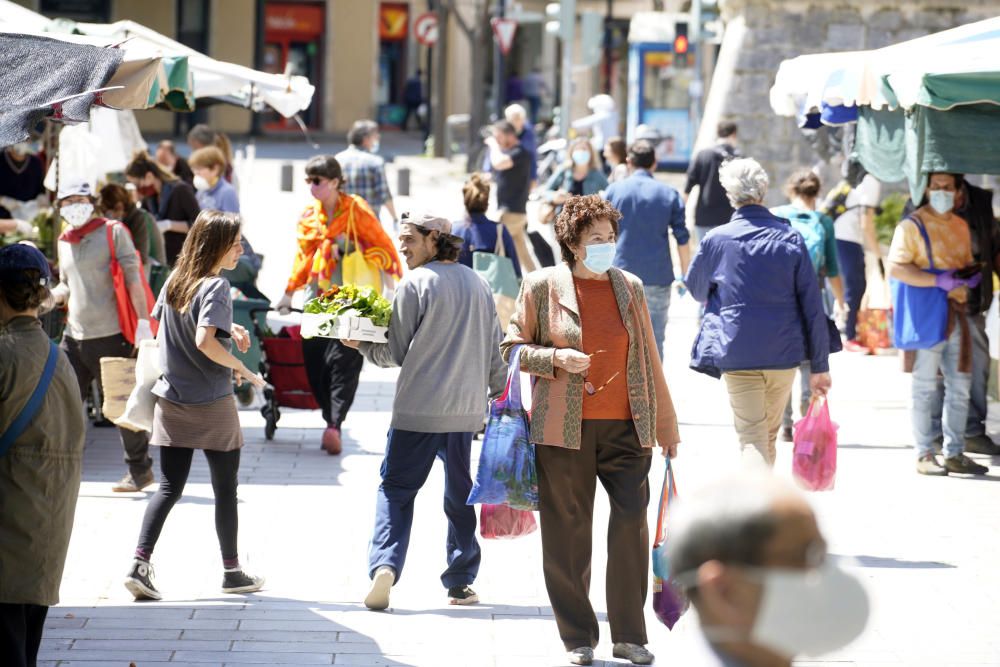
[138, 415]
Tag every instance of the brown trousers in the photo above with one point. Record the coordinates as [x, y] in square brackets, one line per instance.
[609, 451]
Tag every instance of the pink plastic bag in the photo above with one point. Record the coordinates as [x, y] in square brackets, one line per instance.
[814, 461]
[499, 522]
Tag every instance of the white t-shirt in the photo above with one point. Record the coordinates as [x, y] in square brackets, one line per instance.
[868, 194]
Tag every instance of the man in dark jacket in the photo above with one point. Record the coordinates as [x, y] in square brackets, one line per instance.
[712, 208]
[975, 206]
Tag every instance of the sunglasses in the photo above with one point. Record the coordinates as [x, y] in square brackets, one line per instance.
[314, 180]
[588, 387]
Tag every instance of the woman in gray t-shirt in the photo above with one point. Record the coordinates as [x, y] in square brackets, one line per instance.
[196, 408]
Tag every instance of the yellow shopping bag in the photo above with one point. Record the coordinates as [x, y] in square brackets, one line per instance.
[357, 270]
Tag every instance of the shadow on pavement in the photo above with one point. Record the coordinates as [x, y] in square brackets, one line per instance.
[274, 631]
[897, 563]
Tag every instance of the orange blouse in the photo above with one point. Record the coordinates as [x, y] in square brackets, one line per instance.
[604, 337]
[317, 257]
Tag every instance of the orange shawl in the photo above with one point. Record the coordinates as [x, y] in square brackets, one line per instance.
[318, 257]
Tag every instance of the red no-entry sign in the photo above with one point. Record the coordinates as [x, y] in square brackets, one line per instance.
[425, 29]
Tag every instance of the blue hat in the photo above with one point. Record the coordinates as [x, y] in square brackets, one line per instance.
[20, 257]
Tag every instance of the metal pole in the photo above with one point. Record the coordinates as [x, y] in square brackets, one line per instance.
[609, 15]
[498, 67]
[697, 84]
[256, 124]
[440, 89]
[567, 31]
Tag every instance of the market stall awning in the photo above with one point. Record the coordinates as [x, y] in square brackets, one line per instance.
[894, 76]
[42, 77]
[929, 104]
[214, 79]
[183, 74]
[144, 79]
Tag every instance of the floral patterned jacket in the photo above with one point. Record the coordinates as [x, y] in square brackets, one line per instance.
[547, 319]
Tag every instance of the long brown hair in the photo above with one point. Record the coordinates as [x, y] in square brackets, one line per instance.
[143, 164]
[211, 236]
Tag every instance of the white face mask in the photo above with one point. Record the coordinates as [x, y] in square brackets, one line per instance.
[805, 612]
[201, 183]
[76, 215]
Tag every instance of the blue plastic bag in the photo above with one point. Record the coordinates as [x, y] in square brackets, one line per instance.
[507, 474]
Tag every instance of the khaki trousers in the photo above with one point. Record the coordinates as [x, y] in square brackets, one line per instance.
[517, 225]
[567, 479]
[758, 400]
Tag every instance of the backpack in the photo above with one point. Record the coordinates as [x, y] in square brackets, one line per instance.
[810, 228]
[835, 204]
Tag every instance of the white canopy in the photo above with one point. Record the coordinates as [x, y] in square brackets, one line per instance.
[885, 78]
[215, 79]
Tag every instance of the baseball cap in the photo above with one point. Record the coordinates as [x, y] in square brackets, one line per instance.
[430, 223]
[20, 257]
[76, 188]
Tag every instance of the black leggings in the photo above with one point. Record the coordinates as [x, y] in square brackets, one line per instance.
[175, 464]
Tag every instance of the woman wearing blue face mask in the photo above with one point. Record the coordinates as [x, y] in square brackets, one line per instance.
[580, 176]
[600, 405]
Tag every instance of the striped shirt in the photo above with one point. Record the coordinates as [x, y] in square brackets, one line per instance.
[364, 175]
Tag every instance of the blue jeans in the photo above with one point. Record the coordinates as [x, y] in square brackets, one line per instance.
[942, 358]
[975, 423]
[407, 463]
[851, 260]
[658, 302]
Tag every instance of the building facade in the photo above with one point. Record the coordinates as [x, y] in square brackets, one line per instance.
[359, 53]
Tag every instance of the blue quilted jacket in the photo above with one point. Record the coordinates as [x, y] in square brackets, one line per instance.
[763, 306]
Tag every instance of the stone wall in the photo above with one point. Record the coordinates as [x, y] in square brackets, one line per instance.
[762, 33]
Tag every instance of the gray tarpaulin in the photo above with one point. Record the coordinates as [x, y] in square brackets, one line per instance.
[35, 71]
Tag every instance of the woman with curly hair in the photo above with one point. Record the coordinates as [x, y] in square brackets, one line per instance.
[600, 405]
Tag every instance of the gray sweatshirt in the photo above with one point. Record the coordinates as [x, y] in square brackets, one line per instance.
[85, 275]
[445, 335]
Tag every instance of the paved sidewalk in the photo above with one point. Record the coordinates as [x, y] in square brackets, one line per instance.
[926, 547]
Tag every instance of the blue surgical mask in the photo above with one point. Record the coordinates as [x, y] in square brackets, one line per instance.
[375, 147]
[599, 257]
[942, 201]
[581, 157]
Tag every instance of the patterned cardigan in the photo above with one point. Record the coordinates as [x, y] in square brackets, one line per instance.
[547, 319]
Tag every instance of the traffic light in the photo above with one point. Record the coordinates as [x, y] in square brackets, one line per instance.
[681, 45]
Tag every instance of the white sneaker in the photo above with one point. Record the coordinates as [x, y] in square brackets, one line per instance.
[583, 655]
[378, 595]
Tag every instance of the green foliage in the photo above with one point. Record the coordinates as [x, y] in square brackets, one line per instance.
[890, 215]
[352, 300]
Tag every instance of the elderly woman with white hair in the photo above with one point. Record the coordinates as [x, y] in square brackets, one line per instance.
[763, 311]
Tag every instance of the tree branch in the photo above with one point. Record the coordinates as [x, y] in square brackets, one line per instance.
[450, 6]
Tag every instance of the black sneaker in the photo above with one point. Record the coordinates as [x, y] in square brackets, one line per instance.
[139, 581]
[462, 595]
[963, 465]
[981, 444]
[238, 581]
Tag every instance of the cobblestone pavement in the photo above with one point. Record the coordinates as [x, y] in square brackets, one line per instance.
[926, 546]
